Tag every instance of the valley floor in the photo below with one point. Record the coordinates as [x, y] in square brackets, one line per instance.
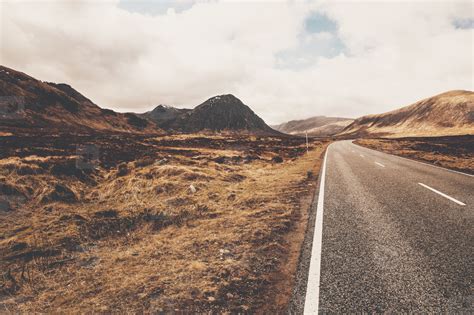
[125, 222]
[454, 152]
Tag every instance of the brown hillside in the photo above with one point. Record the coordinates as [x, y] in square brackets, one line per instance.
[27, 103]
[315, 126]
[450, 113]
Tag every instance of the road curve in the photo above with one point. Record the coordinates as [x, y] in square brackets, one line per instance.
[397, 236]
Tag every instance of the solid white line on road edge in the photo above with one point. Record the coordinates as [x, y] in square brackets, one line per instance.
[311, 304]
[444, 195]
[379, 164]
[412, 160]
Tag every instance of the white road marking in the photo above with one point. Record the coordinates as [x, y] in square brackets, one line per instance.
[361, 155]
[379, 164]
[311, 305]
[412, 160]
[444, 195]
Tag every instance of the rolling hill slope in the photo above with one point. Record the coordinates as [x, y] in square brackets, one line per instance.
[450, 113]
[27, 103]
[315, 126]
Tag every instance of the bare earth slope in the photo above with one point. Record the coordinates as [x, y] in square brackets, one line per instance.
[315, 126]
[450, 113]
[27, 103]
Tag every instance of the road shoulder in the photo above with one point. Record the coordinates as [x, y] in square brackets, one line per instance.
[297, 302]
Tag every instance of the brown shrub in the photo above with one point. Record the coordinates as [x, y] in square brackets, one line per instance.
[122, 170]
[60, 192]
[144, 162]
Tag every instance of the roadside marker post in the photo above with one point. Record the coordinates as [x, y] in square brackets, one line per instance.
[307, 144]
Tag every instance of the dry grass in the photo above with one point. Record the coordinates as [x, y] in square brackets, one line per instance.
[455, 153]
[137, 237]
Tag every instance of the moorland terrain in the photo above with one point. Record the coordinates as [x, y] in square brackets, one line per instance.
[175, 210]
[107, 211]
[188, 223]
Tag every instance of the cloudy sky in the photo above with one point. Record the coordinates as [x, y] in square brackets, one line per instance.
[285, 59]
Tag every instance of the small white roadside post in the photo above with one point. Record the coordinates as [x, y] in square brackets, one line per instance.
[307, 144]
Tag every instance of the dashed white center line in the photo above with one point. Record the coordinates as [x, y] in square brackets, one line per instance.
[361, 155]
[379, 164]
[427, 164]
[444, 195]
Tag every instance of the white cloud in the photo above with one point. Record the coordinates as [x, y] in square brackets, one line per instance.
[394, 53]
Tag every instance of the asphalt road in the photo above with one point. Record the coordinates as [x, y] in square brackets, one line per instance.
[397, 236]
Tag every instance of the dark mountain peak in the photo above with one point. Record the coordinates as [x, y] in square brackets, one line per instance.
[226, 105]
[222, 100]
[225, 98]
[219, 113]
[163, 108]
[164, 113]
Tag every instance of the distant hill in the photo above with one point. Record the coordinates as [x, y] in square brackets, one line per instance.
[450, 113]
[220, 113]
[164, 113]
[27, 103]
[315, 126]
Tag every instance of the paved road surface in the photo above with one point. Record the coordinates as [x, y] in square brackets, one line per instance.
[397, 236]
